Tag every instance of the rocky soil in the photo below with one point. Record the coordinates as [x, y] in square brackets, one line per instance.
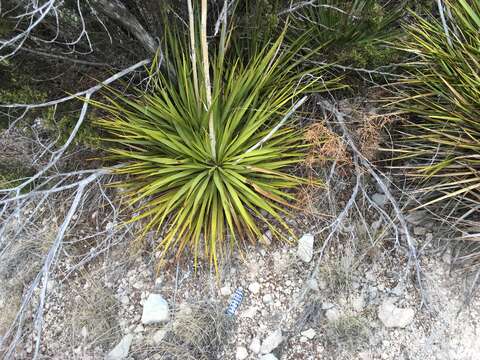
[293, 308]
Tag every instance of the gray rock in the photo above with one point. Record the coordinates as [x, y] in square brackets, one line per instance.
[309, 334]
[376, 224]
[398, 290]
[416, 217]
[313, 284]
[268, 357]
[120, 351]
[267, 299]
[241, 353]
[254, 287]
[372, 293]
[155, 310]
[159, 335]
[305, 248]
[418, 230]
[255, 345]
[332, 315]
[394, 317]
[327, 305]
[226, 291]
[271, 342]
[379, 199]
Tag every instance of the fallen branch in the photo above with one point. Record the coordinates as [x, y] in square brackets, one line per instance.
[412, 250]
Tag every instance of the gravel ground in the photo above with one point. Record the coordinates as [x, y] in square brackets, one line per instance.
[289, 311]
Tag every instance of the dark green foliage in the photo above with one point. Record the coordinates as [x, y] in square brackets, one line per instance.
[62, 124]
[12, 172]
[18, 88]
[354, 31]
[257, 23]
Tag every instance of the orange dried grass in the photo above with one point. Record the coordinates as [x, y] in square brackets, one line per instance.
[369, 134]
[326, 146]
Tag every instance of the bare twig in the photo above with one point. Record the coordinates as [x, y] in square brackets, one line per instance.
[312, 3]
[441, 10]
[80, 93]
[412, 251]
[206, 77]
[193, 50]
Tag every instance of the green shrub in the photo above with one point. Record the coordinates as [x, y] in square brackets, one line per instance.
[13, 172]
[353, 30]
[15, 88]
[442, 139]
[63, 124]
[201, 194]
[19, 88]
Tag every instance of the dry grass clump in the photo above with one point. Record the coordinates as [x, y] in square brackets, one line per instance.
[92, 314]
[370, 133]
[347, 331]
[198, 332]
[326, 145]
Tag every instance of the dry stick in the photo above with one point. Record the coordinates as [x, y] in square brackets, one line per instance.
[362, 70]
[119, 13]
[339, 220]
[222, 18]
[193, 55]
[335, 224]
[444, 21]
[61, 57]
[57, 244]
[56, 156]
[52, 255]
[206, 70]
[412, 253]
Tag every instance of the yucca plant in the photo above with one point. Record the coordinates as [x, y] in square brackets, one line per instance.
[442, 140]
[205, 152]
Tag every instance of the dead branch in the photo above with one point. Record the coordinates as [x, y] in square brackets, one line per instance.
[413, 256]
[115, 10]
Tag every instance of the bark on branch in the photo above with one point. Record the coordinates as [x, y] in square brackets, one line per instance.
[116, 11]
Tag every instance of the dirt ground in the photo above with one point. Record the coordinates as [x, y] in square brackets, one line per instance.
[323, 310]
